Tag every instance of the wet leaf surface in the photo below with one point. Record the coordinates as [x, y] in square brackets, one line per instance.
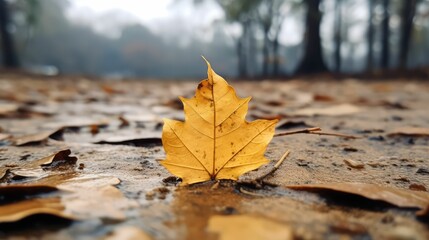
[215, 141]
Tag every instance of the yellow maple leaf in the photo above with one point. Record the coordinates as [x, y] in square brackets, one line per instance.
[215, 141]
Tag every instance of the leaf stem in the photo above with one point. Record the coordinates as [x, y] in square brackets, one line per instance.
[315, 130]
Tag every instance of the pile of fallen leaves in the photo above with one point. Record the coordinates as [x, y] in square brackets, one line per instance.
[372, 161]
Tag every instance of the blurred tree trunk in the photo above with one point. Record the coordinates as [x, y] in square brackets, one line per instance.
[312, 61]
[10, 57]
[265, 54]
[267, 22]
[242, 51]
[252, 62]
[385, 35]
[370, 35]
[276, 55]
[408, 12]
[337, 36]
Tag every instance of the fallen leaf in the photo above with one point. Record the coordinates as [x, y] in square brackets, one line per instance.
[77, 123]
[338, 110]
[354, 164]
[94, 196]
[19, 210]
[4, 136]
[16, 192]
[82, 197]
[137, 141]
[7, 108]
[248, 227]
[287, 124]
[124, 122]
[128, 233]
[398, 197]
[36, 138]
[417, 187]
[215, 141]
[410, 131]
[57, 161]
[3, 172]
[323, 98]
[20, 201]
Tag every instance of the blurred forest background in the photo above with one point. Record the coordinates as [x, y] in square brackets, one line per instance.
[242, 38]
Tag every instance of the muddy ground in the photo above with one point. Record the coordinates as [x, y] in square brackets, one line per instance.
[114, 129]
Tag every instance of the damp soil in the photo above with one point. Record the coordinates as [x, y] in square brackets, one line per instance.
[114, 128]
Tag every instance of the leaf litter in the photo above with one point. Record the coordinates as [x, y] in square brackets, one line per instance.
[314, 159]
[79, 196]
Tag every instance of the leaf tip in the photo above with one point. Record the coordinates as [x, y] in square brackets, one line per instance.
[210, 71]
[205, 60]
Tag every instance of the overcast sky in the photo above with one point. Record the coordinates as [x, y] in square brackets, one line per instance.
[169, 18]
[180, 20]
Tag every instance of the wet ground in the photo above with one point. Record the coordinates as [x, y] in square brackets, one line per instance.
[114, 129]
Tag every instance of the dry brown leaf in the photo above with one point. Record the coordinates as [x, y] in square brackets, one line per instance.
[288, 124]
[10, 192]
[323, 98]
[84, 197]
[410, 131]
[138, 141]
[128, 233]
[35, 138]
[398, 197]
[19, 210]
[77, 123]
[338, 110]
[58, 161]
[215, 141]
[19, 201]
[248, 227]
[3, 172]
[354, 164]
[4, 136]
[7, 108]
[94, 196]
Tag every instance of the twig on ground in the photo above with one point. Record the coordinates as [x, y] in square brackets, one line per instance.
[242, 190]
[259, 182]
[315, 130]
[276, 166]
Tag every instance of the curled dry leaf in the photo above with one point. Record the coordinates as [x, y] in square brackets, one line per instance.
[94, 196]
[398, 197]
[4, 136]
[354, 164]
[338, 110]
[58, 161]
[19, 210]
[410, 131]
[215, 141]
[3, 172]
[20, 201]
[248, 227]
[77, 123]
[84, 197]
[287, 124]
[7, 108]
[36, 138]
[137, 141]
[16, 192]
[128, 233]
